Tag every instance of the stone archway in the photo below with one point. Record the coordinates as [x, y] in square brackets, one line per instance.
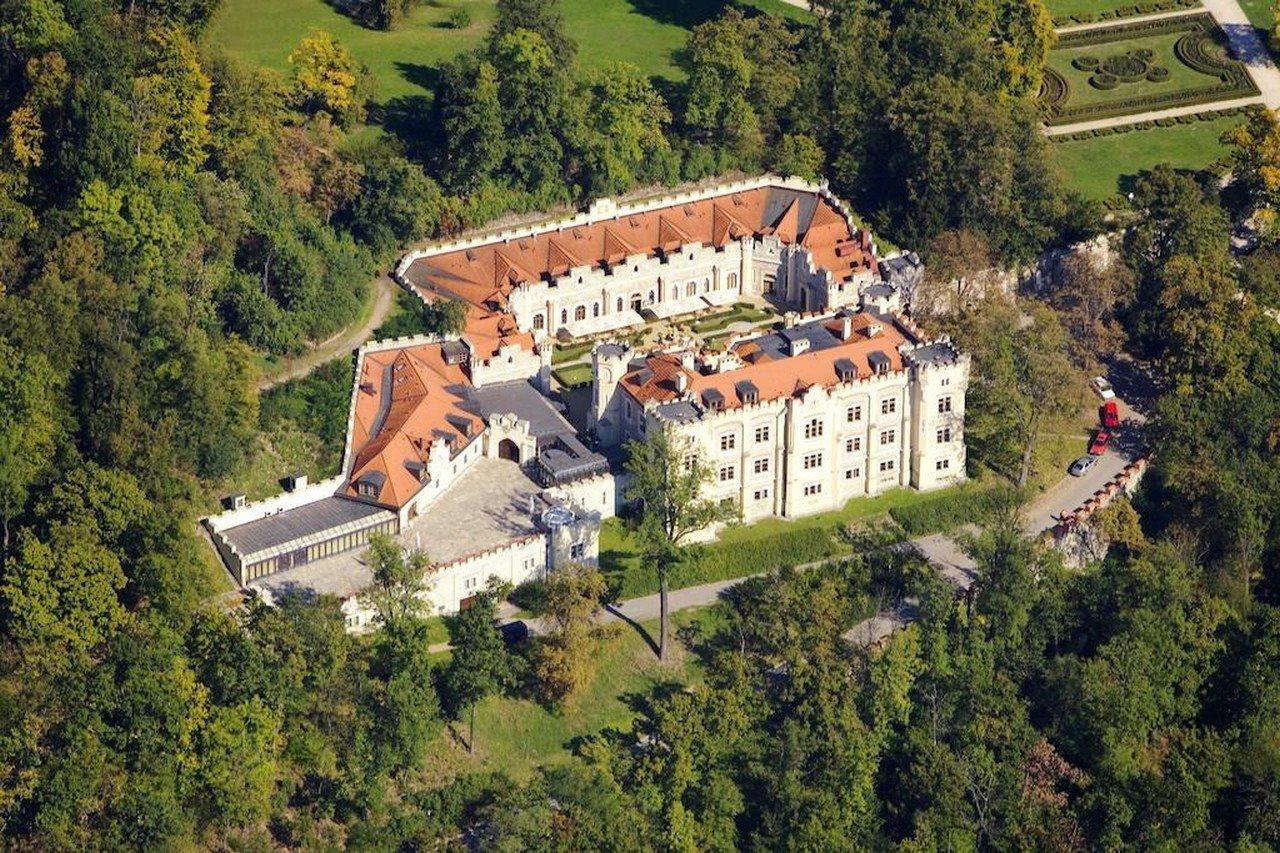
[509, 450]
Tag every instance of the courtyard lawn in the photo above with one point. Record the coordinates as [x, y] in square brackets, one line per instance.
[1262, 14]
[518, 735]
[740, 312]
[403, 62]
[749, 549]
[1102, 167]
[572, 352]
[573, 375]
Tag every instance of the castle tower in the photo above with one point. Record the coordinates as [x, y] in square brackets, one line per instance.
[608, 364]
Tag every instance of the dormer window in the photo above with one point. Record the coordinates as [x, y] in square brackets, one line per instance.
[417, 469]
[879, 362]
[846, 370]
[713, 400]
[748, 393]
[370, 485]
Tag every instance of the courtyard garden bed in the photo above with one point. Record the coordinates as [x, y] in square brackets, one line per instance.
[573, 375]
[1138, 67]
[741, 312]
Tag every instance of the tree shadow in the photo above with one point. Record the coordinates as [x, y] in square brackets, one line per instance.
[689, 13]
[639, 629]
[408, 119]
[1249, 44]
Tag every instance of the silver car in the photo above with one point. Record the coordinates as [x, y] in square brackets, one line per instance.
[1081, 465]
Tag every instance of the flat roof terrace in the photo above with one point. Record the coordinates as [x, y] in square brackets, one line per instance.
[486, 507]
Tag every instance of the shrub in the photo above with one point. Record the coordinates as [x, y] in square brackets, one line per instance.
[1104, 81]
[1086, 63]
[458, 19]
[1158, 74]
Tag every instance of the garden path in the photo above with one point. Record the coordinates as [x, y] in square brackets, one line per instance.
[1246, 45]
[1155, 16]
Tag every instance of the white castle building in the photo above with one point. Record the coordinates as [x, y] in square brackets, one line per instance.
[455, 446]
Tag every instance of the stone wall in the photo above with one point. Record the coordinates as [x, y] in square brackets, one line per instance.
[1075, 535]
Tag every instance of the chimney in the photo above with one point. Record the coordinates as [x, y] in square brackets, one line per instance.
[846, 327]
[874, 329]
[294, 482]
[682, 382]
[235, 501]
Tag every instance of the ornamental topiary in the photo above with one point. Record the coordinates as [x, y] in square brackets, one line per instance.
[1086, 63]
[1127, 67]
[1158, 74]
[1104, 81]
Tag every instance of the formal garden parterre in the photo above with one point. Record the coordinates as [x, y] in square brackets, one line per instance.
[1139, 67]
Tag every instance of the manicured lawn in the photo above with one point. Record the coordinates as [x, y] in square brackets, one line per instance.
[573, 375]
[1261, 13]
[751, 548]
[1082, 92]
[573, 352]
[740, 312]
[517, 735]
[402, 62]
[1104, 166]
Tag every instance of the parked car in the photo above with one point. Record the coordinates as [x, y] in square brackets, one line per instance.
[1098, 446]
[514, 632]
[1102, 388]
[1109, 415]
[1081, 465]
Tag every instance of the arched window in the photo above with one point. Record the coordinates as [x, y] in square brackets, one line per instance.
[595, 309]
[650, 297]
[564, 316]
[537, 321]
[706, 285]
[733, 281]
[691, 289]
[580, 313]
[619, 303]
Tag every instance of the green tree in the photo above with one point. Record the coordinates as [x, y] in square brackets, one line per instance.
[480, 664]
[718, 107]
[667, 478]
[239, 751]
[28, 431]
[535, 93]
[562, 658]
[539, 16]
[396, 204]
[470, 117]
[326, 77]
[625, 122]
[399, 580]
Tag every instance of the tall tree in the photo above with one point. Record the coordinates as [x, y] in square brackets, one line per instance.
[667, 478]
[480, 664]
[326, 77]
[539, 16]
[399, 582]
[28, 430]
[562, 658]
[470, 117]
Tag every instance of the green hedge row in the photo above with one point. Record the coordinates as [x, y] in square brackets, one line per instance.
[1136, 29]
[1130, 11]
[972, 504]
[1192, 118]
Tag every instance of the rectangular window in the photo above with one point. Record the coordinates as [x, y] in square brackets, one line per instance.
[888, 436]
[942, 464]
[853, 445]
[944, 435]
[946, 380]
[760, 494]
[813, 429]
[886, 465]
[812, 489]
[762, 434]
[761, 465]
[578, 550]
[944, 404]
[813, 460]
[853, 413]
[727, 473]
[728, 441]
[852, 473]
[889, 406]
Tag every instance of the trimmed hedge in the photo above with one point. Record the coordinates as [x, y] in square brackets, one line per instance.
[1190, 118]
[1104, 80]
[972, 504]
[1148, 8]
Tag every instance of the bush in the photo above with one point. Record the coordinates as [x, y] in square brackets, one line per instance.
[1086, 63]
[1104, 81]
[935, 513]
[458, 19]
[1158, 74]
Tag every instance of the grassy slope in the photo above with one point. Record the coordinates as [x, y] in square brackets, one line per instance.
[1100, 168]
[518, 735]
[647, 33]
